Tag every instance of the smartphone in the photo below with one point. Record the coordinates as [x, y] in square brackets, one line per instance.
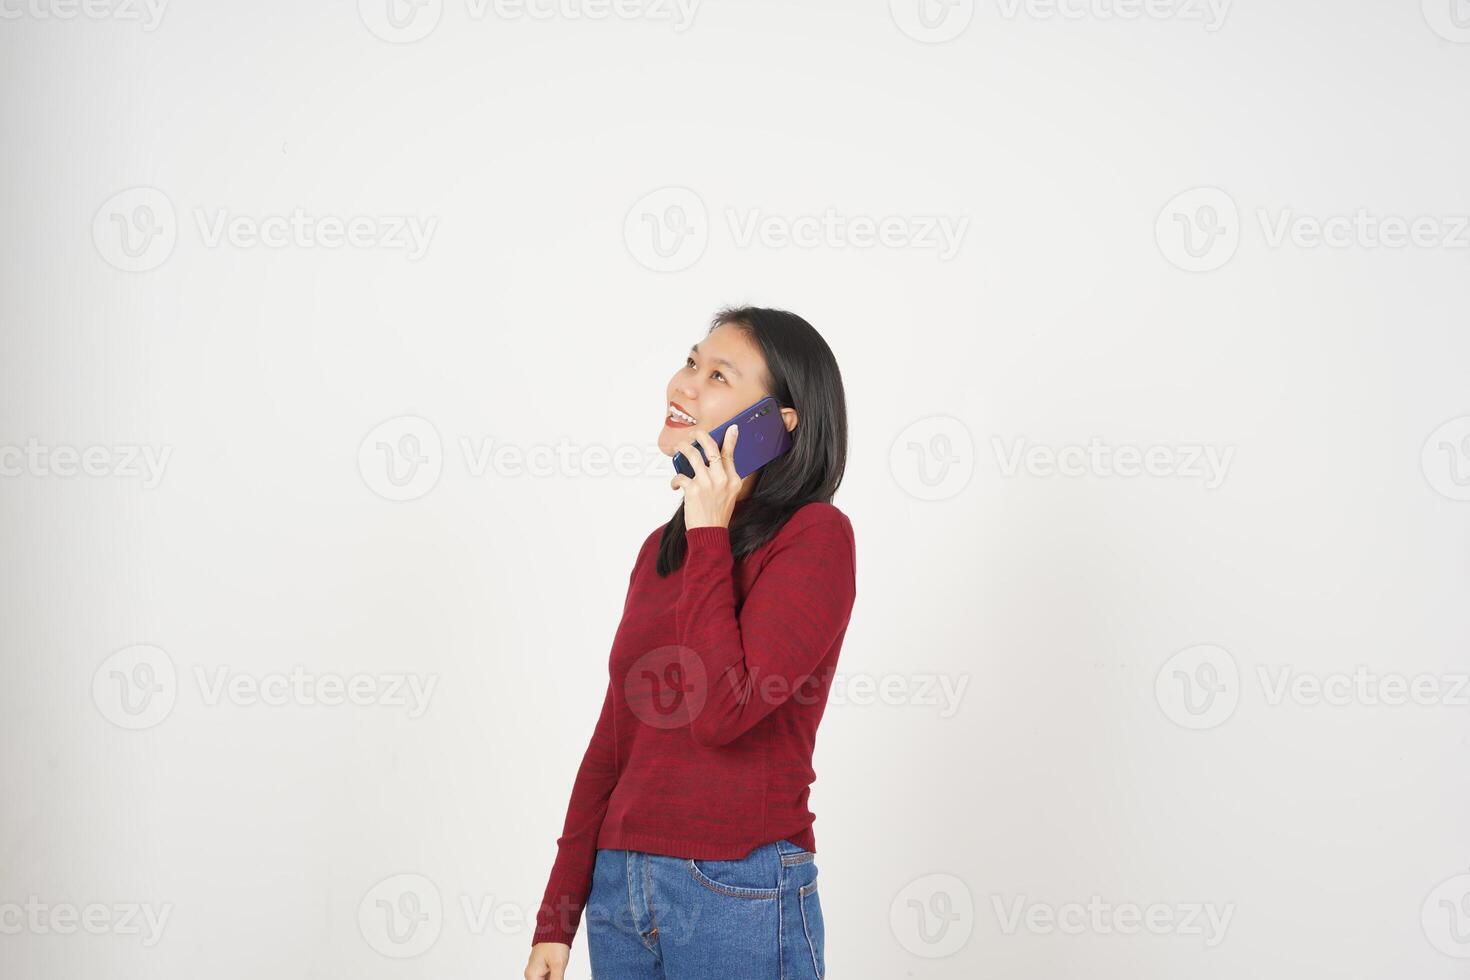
[762, 438]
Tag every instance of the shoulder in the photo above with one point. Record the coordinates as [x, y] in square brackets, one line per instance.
[817, 512]
[816, 542]
[815, 522]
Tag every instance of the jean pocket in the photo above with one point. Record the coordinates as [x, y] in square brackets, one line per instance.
[811, 923]
[736, 879]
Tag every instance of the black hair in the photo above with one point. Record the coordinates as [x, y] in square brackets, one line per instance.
[801, 373]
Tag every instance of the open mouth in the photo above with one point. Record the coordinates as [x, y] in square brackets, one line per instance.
[678, 418]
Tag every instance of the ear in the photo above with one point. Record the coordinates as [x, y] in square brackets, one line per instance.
[788, 415]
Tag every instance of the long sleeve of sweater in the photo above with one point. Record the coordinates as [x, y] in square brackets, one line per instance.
[561, 906]
[576, 849]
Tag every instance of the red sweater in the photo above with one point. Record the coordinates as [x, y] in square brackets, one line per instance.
[717, 679]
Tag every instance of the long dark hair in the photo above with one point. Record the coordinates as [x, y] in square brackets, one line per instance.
[801, 373]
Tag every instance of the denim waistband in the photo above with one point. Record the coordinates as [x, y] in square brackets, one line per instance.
[787, 851]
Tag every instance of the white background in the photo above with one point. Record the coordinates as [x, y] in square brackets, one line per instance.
[1077, 146]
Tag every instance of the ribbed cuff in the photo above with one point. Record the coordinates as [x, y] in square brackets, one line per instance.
[708, 538]
[558, 917]
[552, 936]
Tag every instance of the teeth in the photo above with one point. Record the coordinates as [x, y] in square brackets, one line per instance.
[675, 413]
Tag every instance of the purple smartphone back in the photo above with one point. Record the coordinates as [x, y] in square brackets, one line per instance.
[762, 438]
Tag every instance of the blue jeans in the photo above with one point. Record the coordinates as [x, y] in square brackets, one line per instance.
[654, 917]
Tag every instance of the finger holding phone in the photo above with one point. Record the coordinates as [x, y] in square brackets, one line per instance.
[709, 497]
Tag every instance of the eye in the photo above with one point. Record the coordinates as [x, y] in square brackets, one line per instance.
[689, 362]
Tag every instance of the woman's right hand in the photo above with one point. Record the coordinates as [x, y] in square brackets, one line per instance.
[548, 961]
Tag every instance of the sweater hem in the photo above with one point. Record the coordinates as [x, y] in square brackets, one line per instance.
[697, 850]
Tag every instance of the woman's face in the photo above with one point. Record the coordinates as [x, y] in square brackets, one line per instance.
[723, 374]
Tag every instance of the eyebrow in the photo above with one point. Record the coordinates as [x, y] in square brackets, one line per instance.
[717, 360]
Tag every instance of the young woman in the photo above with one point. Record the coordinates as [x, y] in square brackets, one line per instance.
[688, 842]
